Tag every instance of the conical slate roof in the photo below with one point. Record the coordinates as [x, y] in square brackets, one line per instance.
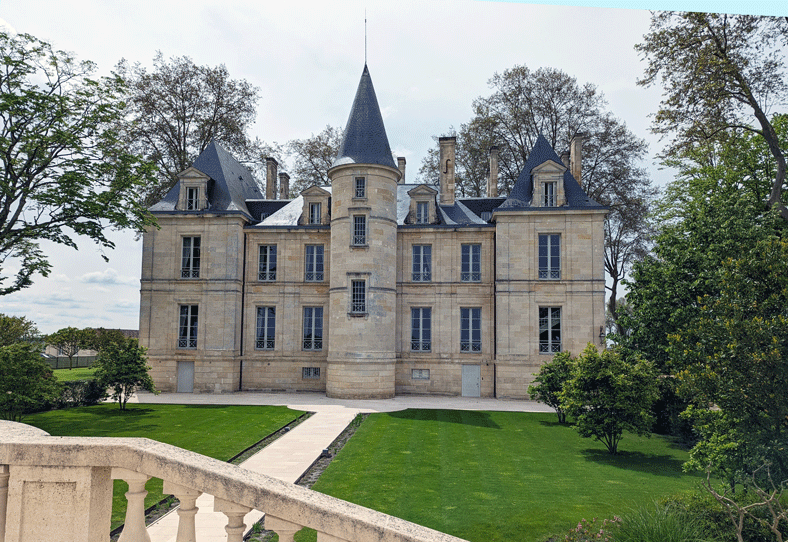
[365, 141]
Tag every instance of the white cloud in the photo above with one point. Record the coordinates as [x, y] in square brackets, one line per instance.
[7, 27]
[108, 276]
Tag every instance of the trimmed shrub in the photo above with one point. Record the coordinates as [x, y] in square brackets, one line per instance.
[81, 393]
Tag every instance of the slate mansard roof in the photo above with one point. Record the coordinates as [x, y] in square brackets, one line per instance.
[230, 185]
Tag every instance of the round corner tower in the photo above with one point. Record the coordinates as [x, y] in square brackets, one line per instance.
[362, 298]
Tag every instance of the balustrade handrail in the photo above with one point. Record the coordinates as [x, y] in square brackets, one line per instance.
[23, 445]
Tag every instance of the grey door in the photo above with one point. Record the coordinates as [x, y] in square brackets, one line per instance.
[185, 376]
[471, 381]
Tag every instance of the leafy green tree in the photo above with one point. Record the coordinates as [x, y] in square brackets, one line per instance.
[175, 111]
[735, 356]
[124, 368]
[312, 157]
[550, 381]
[17, 329]
[609, 393]
[26, 381]
[63, 170]
[719, 72]
[98, 339]
[69, 341]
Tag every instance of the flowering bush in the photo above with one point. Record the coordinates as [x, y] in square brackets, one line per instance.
[590, 531]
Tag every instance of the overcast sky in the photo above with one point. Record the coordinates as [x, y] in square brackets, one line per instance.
[428, 61]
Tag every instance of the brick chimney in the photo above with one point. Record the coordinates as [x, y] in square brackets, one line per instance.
[284, 186]
[447, 153]
[270, 178]
[492, 182]
[576, 157]
[401, 166]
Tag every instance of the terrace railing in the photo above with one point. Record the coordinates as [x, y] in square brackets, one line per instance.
[60, 488]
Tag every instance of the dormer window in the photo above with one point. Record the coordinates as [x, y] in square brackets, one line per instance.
[361, 188]
[548, 190]
[314, 213]
[422, 205]
[192, 194]
[422, 212]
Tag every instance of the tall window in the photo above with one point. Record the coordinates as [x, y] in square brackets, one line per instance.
[361, 187]
[421, 329]
[358, 300]
[187, 327]
[422, 263]
[471, 329]
[549, 330]
[471, 263]
[313, 328]
[266, 328]
[359, 230]
[267, 269]
[190, 260]
[313, 266]
[549, 194]
[422, 212]
[314, 213]
[191, 199]
[549, 256]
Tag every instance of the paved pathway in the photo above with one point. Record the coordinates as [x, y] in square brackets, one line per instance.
[291, 455]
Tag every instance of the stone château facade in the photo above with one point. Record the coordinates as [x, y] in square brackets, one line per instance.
[370, 287]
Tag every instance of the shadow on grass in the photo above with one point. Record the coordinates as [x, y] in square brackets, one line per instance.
[660, 465]
[463, 417]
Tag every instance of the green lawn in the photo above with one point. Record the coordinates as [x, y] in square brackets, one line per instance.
[217, 431]
[497, 475]
[78, 373]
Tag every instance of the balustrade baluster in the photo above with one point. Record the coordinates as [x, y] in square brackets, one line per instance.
[285, 529]
[134, 529]
[186, 511]
[235, 518]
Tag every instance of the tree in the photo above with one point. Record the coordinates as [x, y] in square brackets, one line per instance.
[525, 103]
[313, 157]
[16, 329]
[609, 393]
[69, 341]
[124, 368]
[718, 72]
[177, 109]
[64, 170]
[26, 381]
[98, 339]
[550, 381]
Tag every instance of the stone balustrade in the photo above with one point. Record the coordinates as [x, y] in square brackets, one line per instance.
[60, 488]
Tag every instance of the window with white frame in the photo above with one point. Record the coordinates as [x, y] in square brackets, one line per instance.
[422, 263]
[361, 188]
[313, 328]
[266, 328]
[549, 256]
[359, 230]
[310, 373]
[470, 329]
[358, 296]
[422, 212]
[192, 198]
[421, 329]
[187, 326]
[471, 263]
[420, 374]
[190, 258]
[549, 330]
[313, 266]
[548, 191]
[314, 213]
[267, 267]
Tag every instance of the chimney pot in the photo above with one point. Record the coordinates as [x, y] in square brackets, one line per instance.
[270, 178]
[447, 155]
[492, 182]
[401, 166]
[284, 186]
[576, 157]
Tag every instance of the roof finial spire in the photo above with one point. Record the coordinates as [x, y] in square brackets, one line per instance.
[365, 36]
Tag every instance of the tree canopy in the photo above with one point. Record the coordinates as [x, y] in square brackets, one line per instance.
[17, 329]
[312, 157]
[70, 340]
[719, 72]
[26, 381]
[124, 369]
[64, 170]
[175, 111]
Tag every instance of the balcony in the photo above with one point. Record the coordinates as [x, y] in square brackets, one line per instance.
[60, 488]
